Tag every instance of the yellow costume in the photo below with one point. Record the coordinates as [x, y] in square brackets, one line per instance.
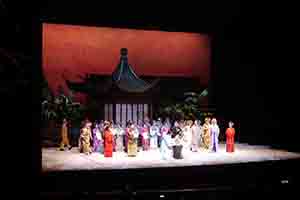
[206, 136]
[64, 137]
[132, 145]
[85, 138]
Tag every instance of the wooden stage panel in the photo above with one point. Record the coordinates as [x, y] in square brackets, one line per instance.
[54, 160]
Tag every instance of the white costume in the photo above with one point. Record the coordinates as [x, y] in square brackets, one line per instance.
[154, 132]
[187, 139]
[119, 138]
[195, 134]
[199, 133]
[214, 135]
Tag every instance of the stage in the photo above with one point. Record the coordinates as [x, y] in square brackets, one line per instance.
[54, 160]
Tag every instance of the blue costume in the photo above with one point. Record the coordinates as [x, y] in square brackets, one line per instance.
[166, 146]
[154, 132]
[214, 135]
[97, 139]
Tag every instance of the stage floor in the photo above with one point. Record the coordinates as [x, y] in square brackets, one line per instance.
[54, 160]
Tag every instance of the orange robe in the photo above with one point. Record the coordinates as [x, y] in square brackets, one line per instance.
[230, 132]
[108, 143]
[64, 136]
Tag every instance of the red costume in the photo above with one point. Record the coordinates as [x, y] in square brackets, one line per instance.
[145, 138]
[108, 143]
[230, 132]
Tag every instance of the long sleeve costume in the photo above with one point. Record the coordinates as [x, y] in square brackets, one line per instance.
[119, 138]
[85, 138]
[132, 142]
[230, 133]
[206, 136]
[214, 135]
[154, 132]
[97, 140]
[166, 146]
[64, 137]
[108, 143]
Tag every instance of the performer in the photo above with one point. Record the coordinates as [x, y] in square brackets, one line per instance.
[82, 125]
[136, 134]
[186, 139]
[114, 132]
[127, 130]
[138, 128]
[166, 145]
[97, 139]
[230, 133]
[177, 136]
[147, 122]
[85, 138]
[132, 141]
[168, 122]
[214, 135]
[206, 133]
[195, 135]
[64, 136]
[165, 129]
[176, 124]
[108, 140]
[154, 131]
[84, 122]
[119, 139]
[145, 137]
[101, 126]
[159, 124]
[199, 133]
[189, 124]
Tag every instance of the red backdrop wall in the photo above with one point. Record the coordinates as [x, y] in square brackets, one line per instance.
[76, 50]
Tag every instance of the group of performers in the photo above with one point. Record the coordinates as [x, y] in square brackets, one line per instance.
[106, 137]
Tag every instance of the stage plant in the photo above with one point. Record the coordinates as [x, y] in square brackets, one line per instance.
[187, 107]
[57, 107]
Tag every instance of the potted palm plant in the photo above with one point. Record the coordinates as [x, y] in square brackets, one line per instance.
[55, 109]
[188, 108]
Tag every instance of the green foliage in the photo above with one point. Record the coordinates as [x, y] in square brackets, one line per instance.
[204, 93]
[61, 106]
[188, 108]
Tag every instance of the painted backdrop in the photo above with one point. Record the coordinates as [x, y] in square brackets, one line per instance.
[72, 50]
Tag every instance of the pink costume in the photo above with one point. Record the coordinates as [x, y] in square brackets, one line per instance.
[145, 138]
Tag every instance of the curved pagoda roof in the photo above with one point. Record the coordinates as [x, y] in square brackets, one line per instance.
[123, 78]
[126, 79]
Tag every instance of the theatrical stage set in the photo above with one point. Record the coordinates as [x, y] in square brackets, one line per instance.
[126, 132]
